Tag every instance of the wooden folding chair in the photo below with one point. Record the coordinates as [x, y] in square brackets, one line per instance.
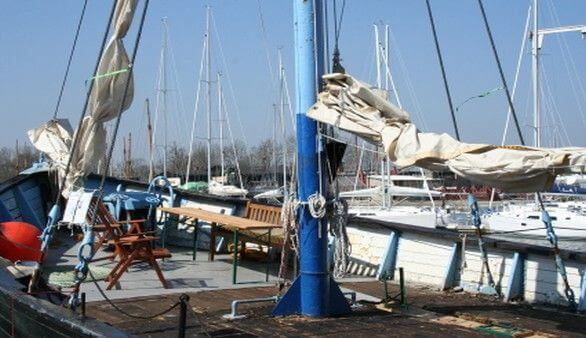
[133, 249]
[106, 227]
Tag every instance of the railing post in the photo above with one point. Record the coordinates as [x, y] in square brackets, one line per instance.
[83, 305]
[183, 299]
[452, 270]
[387, 267]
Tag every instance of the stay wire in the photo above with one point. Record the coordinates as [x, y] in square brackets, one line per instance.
[555, 247]
[72, 51]
[338, 22]
[444, 76]
[336, 64]
[86, 103]
[501, 73]
[119, 118]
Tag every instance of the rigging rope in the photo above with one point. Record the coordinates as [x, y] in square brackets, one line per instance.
[86, 103]
[61, 184]
[81, 273]
[110, 152]
[444, 77]
[485, 94]
[290, 226]
[501, 73]
[546, 218]
[316, 204]
[72, 51]
[336, 65]
[342, 246]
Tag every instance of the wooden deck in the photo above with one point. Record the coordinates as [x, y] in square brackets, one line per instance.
[207, 308]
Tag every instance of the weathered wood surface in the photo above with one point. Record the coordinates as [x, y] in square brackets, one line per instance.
[239, 223]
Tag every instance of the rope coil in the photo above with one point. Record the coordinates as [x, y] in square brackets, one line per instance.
[316, 204]
[342, 246]
[290, 225]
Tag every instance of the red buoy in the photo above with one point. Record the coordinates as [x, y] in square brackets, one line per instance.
[20, 241]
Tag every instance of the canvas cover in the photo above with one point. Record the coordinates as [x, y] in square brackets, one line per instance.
[54, 139]
[106, 101]
[352, 106]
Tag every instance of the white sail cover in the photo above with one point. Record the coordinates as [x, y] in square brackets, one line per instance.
[220, 189]
[352, 106]
[106, 101]
[53, 139]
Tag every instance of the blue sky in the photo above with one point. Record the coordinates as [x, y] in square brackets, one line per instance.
[35, 36]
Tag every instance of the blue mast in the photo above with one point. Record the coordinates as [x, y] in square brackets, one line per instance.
[314, 293]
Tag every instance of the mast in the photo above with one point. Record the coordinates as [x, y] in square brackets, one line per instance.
[535, 73]
[282, 118]
[17, 162]
[387, 58]
[221, 121]
[163, 88]
[129, 154]
[377, 53]
[274, 144]
[124, 158]
[314, 293]
[150, 138]
[209, 92]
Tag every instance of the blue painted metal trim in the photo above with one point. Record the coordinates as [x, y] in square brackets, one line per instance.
[4, 213]
[316, 294]
[516, 284]
[582, 301]
[26, 211]
[451, 274]
[291, 302]
[389, 260]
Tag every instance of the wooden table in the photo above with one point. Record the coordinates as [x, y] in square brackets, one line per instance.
[232, 223]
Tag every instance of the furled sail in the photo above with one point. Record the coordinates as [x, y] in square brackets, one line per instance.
[106, 101]
[106, 98]
[354, 107]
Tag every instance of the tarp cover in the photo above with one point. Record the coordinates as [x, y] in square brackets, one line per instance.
[106, 101]
[354, 107]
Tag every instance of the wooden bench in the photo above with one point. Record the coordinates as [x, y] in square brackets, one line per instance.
[266, 214]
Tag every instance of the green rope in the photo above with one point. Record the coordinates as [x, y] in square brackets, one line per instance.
[485, 94]
[116, 72]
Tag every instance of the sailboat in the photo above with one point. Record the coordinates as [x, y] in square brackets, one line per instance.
[215, 185]
[389, 186]
[278, 193]
[524, 218]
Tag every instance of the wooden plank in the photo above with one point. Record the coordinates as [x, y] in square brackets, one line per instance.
[10, 203]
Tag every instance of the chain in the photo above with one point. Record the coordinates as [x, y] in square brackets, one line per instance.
[82, 268]
[182, 298]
